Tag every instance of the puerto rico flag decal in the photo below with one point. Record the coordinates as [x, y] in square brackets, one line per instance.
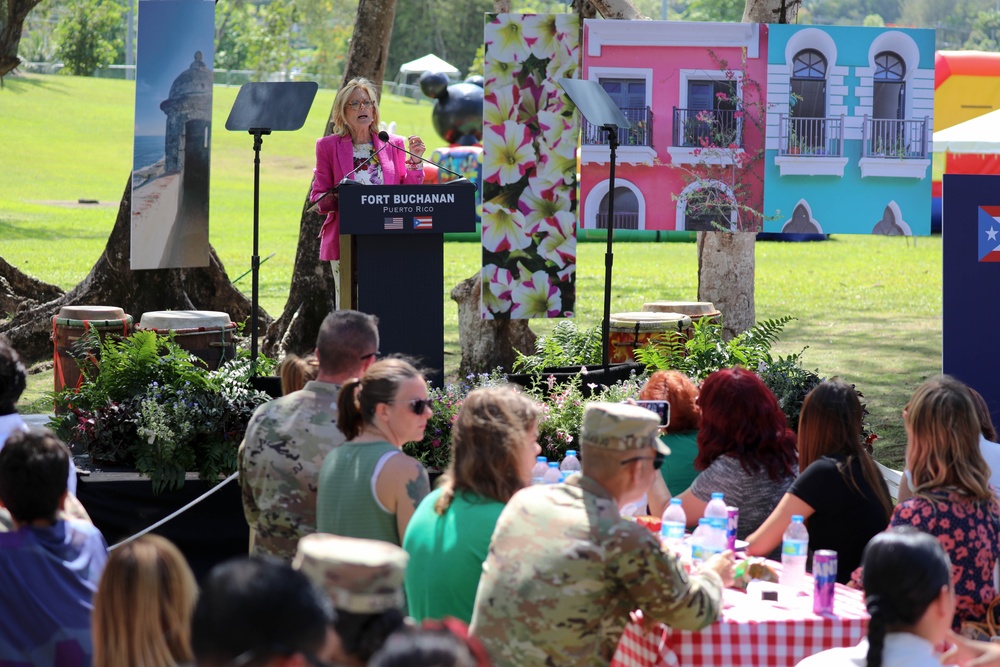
[989, 234]
[423, 222]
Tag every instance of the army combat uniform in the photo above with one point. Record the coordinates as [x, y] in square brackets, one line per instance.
[564, 569]
[279, 463]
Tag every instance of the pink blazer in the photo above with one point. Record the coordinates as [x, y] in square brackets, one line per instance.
[334, 160]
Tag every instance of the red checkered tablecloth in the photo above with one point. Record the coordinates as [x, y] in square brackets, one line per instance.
[750, 633]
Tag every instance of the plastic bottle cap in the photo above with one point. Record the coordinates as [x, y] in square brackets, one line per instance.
[797, 518]
[717, 495]
[541, 459]
[570, 452]
[553, 464]
[676, 501]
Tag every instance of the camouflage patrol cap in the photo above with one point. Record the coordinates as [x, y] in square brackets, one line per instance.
[360, 576]
[621, 426]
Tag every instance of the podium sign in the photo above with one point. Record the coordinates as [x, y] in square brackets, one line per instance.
[400, 261]
[407, 209]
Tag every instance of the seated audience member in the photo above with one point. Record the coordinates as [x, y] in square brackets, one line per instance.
[909, 594]
[442, 643]
[287, 439]
[952, 498]
[49, 567]
[745, 449]
[840, 491]
[368, 488]
[143, 606]
[681, 435]
[988, 447]
[296, 371]
[565, 569]
[261, 612]
[364, 579]
[494, 445]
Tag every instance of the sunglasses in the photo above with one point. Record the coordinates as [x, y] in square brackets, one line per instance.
[418, 405]
[355, 105]
[657, 460]
[370, 355]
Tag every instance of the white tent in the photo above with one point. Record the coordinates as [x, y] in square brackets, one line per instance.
[981, 136]
[429, 63]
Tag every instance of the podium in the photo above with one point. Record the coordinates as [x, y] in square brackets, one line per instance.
[400, 260]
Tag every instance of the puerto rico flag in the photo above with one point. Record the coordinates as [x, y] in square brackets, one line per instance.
[423, 222]
[989, 234]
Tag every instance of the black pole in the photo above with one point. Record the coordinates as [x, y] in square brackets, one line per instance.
[609, 255]
[257, 133]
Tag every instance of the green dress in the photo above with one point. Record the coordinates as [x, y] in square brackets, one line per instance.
[447, 553]
[678, 468]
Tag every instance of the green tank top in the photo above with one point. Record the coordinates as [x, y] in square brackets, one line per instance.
[346, 504]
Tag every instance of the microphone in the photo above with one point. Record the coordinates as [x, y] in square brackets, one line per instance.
[346, 179]
[384, 136]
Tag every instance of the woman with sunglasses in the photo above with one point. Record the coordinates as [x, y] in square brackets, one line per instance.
[368, 488]
[354, 150]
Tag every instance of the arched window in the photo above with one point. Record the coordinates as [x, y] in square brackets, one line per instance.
[626, 210]
[808, 101]
[809, 64]
[889, 67]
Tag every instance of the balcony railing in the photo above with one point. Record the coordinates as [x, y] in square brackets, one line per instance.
[623, 220]
[708, 128]
[640, 134]
[891, 138]
[810, 136]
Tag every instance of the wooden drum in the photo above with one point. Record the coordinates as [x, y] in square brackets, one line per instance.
[70, 356]
[629, 331]
[207, 334]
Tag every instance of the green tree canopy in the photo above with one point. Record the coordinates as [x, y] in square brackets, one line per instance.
[985, 35]
[90, 35]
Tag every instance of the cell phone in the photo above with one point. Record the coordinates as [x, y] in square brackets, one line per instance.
[661, 408]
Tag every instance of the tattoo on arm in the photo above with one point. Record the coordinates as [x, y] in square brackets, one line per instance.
[417, 488]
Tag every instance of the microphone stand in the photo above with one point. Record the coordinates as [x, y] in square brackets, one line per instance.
[461, 177]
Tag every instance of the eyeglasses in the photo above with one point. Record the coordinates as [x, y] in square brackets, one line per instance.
[418, 405]
[370, 355]
[657, 460]
[355, 105]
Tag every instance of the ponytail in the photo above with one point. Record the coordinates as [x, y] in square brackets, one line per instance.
[350, 421]
[876, 630]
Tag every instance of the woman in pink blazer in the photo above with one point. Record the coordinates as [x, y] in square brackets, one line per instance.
[348, 152]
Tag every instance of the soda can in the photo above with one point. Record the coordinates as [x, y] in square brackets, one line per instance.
[825, 578]
[732, 521]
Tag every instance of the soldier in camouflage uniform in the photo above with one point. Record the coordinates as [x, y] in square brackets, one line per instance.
[564, 569]
[288, 438]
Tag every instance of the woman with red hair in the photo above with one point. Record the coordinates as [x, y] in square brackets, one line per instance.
[745, 449]
[681, 393]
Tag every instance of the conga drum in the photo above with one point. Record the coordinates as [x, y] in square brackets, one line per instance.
[69, 355]
[693, 309]
[207, 334]
[628, 331]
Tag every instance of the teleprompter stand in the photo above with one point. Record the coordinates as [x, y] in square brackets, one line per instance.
[400, 260]
[601, 111]
[262, 108]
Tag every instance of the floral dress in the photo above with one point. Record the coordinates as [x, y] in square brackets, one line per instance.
[369, 173]
[969, 531]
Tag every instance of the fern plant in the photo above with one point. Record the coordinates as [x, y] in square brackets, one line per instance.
[567, 345]
[706, 351]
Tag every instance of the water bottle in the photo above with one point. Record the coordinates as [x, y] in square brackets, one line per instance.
[718, 517]
[570, 464]
[674, 522]
[700, 543]
[794, 553]
[538, 472]
[552, 475]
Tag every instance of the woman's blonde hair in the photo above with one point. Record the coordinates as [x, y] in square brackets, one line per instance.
[143, 606]
[339, 118]
[488, 431]
[943, 440]
[295, 371]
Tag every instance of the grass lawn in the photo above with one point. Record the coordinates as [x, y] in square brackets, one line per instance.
[868, 308]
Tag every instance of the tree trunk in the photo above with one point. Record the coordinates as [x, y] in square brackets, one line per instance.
[771, 11]
[726, 266]
[112, 283]
[486, 344]
[11, 26]
[311, 295]
[618, 9]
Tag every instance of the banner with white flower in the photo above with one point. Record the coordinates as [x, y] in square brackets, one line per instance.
[530, 131]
